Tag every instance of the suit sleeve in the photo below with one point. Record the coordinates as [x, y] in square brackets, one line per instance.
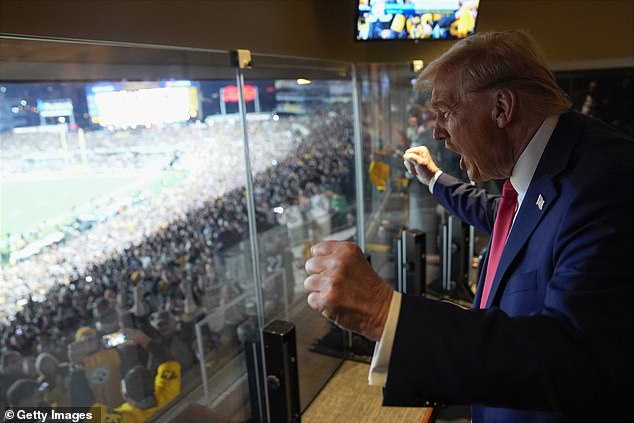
[470, 203]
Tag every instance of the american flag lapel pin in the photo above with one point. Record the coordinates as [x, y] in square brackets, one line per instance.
[540, 202]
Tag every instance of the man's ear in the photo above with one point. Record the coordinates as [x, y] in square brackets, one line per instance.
[505, 105]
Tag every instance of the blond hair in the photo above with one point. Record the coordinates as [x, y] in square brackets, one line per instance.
[494, 60]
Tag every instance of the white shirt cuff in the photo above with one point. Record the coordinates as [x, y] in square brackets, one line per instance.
[433, 180]
[383, 349]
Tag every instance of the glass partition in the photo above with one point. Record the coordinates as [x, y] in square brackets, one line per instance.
[300, 135]
[126, 249]
[395, 117]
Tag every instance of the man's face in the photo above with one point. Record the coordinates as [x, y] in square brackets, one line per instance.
[468, 127]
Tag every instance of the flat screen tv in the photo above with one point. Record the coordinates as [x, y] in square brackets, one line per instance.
[416, 20]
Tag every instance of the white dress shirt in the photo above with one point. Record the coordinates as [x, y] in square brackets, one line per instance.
[521, 176]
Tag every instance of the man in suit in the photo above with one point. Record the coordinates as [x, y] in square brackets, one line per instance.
[548, 338]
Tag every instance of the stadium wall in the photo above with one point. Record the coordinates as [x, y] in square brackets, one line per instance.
[582, 34]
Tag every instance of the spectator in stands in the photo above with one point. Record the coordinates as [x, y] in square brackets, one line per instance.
[51, 380]
[144, 394]
[10, 372]
[25, 393]
[177, 342]
[100, 366]
[106, 317]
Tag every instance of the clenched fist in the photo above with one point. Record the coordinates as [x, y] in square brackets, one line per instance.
[419, 163]
[345, 289]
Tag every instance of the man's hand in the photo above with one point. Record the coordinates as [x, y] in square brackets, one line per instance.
[345, 289]
[419, 163]
[136, 337]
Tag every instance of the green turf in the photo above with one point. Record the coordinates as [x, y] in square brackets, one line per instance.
[27, 204]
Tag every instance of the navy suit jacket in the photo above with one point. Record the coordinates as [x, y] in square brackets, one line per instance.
[555, 343]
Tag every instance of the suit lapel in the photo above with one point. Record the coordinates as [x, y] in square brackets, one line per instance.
[553, 161]
[527, 219]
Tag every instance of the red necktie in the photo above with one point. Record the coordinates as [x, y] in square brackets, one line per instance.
[501, 229]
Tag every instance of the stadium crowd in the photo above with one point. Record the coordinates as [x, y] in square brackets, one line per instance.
[155, 269]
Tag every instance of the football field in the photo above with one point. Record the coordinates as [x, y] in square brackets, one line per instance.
[57, 200]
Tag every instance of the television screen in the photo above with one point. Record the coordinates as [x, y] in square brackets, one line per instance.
[415, 19]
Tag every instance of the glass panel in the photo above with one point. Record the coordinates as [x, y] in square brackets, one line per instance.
[395, 117]
[123, 210]
[301, 148]
[384, 92]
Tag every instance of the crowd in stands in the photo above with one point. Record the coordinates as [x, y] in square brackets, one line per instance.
[154, 270]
